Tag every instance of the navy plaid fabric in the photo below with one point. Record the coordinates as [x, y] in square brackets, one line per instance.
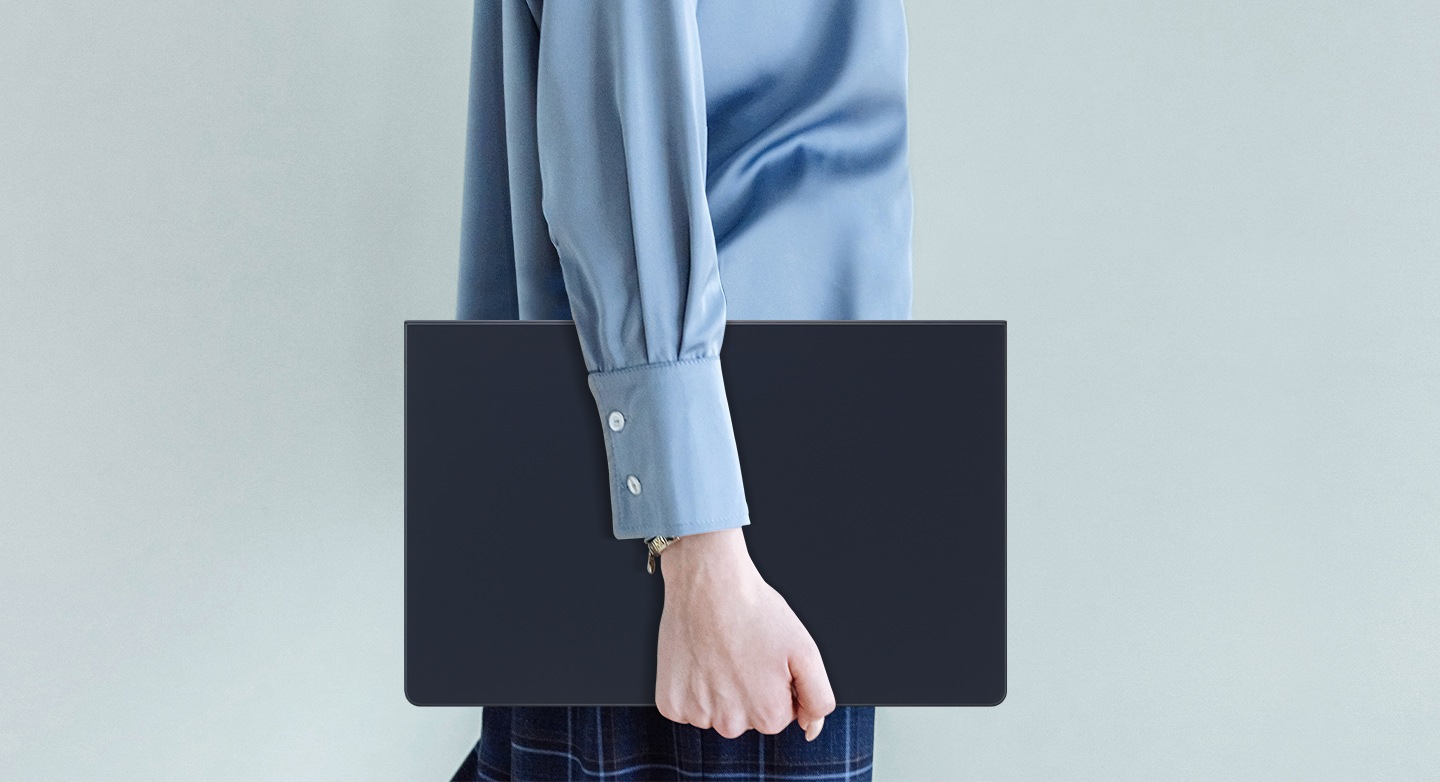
[538, 743]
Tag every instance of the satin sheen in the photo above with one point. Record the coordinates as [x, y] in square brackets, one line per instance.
[650, 168]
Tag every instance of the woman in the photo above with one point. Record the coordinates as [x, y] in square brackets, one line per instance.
[648, 169]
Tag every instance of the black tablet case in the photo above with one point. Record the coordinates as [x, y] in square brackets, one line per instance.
[873, 455]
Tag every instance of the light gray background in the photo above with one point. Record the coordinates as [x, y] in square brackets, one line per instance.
[1213, 227]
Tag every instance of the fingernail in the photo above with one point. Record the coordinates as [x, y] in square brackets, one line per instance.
[814, 729]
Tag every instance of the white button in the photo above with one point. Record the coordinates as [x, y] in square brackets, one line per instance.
[634, 484]
[617, 421]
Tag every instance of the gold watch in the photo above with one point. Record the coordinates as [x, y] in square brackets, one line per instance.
[654, 546]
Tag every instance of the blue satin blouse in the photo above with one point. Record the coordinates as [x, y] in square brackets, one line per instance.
[650, 168]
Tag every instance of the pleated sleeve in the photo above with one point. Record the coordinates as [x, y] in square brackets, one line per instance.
[621, 134]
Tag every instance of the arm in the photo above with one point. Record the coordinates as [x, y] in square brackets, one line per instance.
[622, 141]
[622, 144]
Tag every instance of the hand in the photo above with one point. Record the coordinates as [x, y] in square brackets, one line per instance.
[732, 654]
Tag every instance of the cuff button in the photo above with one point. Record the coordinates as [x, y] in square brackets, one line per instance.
[617, 421]
[634, 484]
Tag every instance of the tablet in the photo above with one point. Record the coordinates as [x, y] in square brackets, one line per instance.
[873, 460]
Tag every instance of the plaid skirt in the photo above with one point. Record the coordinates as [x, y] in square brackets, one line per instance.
[540, 743]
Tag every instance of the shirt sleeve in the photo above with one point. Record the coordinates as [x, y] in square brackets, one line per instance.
[621, 133]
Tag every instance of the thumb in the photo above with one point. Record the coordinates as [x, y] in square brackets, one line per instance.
[813, 696]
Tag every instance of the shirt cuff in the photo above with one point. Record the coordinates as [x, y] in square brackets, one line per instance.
[674, 468]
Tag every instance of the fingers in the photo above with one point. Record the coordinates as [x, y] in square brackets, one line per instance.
[730, 727]
[813, 696]
[774, 723]
[769, 719]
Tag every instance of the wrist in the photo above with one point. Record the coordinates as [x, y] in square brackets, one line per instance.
[719, 551]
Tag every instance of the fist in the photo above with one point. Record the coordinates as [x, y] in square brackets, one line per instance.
[732, 655]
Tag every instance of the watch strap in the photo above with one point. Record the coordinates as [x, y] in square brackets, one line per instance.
[653, 547]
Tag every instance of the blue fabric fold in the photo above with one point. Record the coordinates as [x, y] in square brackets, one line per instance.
[652, 168]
